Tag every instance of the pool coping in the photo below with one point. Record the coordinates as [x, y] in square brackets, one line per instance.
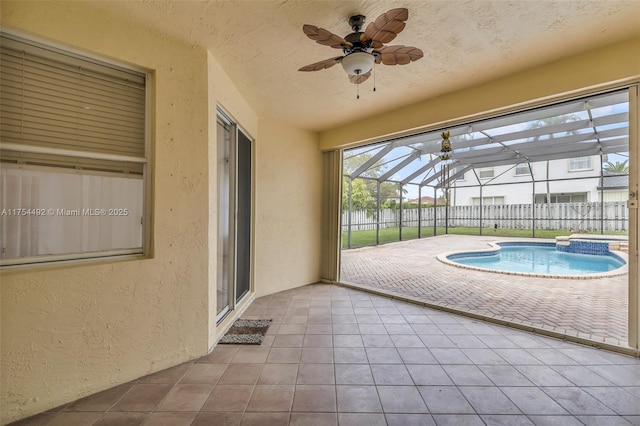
[494, 247]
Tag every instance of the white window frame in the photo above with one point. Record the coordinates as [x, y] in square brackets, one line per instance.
[573, 167]
[521, 166]
[554, 197]
[488, 201]
[486, 170]
[91, 62]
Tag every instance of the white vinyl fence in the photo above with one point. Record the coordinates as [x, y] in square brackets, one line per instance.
[614, 216]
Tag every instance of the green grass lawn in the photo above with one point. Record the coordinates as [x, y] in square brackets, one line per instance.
[387, 235]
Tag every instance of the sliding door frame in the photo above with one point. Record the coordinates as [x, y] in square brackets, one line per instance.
[240, 207]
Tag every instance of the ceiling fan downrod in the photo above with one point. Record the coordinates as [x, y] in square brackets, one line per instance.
[357, 22]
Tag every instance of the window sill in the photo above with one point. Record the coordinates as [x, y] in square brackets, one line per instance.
[66, 263]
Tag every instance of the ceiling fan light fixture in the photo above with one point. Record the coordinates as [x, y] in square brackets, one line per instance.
[358, 63]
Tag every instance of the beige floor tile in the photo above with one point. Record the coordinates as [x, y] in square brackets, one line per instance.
[101, 401]
[278, 374]
[313, 419]
[204, 373]
[353, 374]
[170, 375]
[241, 374]
[185, 397]
[265, 419]
[316, 374]
[122, 419]
[315, 398]
[143, 397]
[216, 419]
[228, 398]
[358, 399]
[170, 419]
[271, 398]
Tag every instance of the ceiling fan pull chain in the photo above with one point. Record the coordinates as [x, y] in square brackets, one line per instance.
[374, 77]
[357, 91]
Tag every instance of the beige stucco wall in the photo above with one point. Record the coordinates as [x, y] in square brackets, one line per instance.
[574, 74]
[69, 331]
[288, 214]
[73, 330]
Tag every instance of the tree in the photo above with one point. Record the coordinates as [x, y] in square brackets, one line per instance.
[390, 191]
[617, 167]
[352, 163]
[363, 190]
[361, 198]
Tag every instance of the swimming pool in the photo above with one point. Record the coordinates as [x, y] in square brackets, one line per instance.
[538, 259]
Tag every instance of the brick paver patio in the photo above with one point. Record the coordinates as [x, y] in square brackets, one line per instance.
[592, 309]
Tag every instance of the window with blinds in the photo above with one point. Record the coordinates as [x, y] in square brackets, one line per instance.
[485, 173]
[73, 156]
[580, 163]
[522, 169]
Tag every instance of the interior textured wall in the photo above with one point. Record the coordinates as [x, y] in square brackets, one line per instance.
[288, 215]
[70, 331]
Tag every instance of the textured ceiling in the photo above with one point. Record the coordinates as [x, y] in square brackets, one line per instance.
[260, 44]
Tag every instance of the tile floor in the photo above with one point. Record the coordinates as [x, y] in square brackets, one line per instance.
[337, 356]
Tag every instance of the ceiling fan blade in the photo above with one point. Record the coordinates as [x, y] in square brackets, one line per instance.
[327, 63]
[327, 38]
[398, 55]
[385, 28]
[357, 79]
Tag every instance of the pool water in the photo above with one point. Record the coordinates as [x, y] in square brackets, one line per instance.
[538, 260]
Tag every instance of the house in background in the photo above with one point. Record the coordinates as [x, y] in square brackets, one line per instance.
[225, 72]
[575, 180]
[615, 188]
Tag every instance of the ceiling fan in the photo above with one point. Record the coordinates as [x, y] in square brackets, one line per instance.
[363, 49]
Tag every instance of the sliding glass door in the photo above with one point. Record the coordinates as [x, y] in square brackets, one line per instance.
[234, 195]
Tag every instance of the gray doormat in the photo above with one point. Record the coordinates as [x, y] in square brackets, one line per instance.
[246, 332]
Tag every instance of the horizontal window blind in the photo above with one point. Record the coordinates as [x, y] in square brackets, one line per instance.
[63, 161]
[73, 156]
[57, 101]
[580, 163]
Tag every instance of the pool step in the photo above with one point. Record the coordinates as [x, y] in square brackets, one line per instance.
[592, 244]
[622, 246]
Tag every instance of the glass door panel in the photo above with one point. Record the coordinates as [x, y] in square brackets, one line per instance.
[243, 216]
[224, 202]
